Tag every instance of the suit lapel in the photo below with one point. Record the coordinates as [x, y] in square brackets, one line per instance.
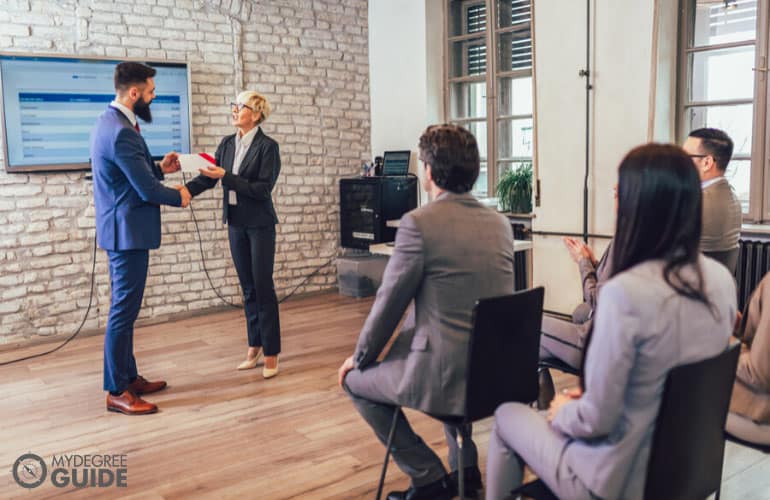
[229, 155]
[126, 122]
[251, 155]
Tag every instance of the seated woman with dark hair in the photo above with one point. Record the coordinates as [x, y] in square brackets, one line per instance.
[749, 417]
[664, 305]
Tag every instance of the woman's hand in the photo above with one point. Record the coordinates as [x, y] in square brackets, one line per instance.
[212, 172]
[578, 250]
[561, 399]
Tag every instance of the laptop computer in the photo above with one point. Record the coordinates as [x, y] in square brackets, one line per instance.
[396, 162]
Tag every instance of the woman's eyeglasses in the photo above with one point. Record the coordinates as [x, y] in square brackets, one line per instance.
[237, 107]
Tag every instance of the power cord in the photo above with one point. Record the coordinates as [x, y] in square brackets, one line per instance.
[88, 310]
[211, 283]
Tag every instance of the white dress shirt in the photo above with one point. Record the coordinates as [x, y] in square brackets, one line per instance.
[242, 144]
[129, 114]
[705, 184]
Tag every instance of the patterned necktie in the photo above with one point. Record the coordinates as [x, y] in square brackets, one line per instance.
[136, 126]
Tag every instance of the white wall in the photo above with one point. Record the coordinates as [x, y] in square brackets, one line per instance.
[621, 117]
[311, 61]
[404, 81]
[632, 99]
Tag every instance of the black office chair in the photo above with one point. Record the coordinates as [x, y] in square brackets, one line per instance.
[689, 440]
[763, 448]
[502, 364]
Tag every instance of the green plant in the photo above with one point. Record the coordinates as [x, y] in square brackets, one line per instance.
[514, 190]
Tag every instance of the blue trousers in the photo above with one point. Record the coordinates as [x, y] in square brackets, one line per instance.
[253, 252]
[128, 275]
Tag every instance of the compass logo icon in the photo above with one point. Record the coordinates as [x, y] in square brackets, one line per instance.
[29, 471]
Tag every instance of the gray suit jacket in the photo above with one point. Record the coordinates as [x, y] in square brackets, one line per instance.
[642, 329]
[448, 254]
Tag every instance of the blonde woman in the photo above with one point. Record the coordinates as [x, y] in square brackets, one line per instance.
[248, 164]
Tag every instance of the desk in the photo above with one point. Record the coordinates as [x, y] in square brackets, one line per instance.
[387, 249]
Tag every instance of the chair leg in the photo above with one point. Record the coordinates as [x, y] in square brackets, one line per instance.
[392, 432]
[545, 388]
[460, 465]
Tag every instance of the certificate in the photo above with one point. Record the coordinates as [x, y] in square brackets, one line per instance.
[191, 163]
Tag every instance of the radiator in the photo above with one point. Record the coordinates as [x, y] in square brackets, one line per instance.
[753, 264]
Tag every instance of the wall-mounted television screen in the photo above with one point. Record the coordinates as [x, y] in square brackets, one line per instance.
[50, 105]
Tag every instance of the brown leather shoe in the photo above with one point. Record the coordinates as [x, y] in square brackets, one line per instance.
[129, 403]
[143, 386]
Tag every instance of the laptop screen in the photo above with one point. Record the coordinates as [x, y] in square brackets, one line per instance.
[396, 162]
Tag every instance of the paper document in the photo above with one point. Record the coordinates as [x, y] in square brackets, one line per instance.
[191, 163]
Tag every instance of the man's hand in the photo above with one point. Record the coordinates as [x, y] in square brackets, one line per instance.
[186, 196]
[578, 250]
[213, 172]
[170, 163]
[347, 365]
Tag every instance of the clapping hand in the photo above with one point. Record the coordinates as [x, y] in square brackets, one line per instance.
[213, 172]
[185, 193]
[170, 163]
[578, 250]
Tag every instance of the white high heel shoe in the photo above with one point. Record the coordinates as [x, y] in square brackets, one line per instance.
[270, 372]
[250, 363]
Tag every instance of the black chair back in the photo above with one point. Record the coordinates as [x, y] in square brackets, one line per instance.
[503, 352]
[689, 441]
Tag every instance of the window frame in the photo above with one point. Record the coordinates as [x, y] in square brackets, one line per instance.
[759, 178]
[492, 76]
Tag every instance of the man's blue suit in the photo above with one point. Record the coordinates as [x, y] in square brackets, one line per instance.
[127, 196]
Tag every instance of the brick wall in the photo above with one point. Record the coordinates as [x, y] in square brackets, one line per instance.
[309, 58]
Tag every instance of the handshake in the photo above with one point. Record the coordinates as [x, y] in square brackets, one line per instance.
[170, 164]
[185, 193]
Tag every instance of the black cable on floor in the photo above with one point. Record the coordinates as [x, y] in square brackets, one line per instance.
[211, 283]
[88, 309]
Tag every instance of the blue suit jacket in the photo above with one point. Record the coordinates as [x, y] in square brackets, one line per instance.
[127, 188]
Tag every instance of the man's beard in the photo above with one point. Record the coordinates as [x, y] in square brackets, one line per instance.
[142, 110]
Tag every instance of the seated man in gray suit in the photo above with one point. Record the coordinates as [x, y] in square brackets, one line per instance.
[711, 150]
[448, 254]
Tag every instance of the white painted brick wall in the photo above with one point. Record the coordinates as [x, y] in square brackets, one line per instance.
[309, 58]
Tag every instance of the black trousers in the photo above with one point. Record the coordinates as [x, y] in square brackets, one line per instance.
[253, 251]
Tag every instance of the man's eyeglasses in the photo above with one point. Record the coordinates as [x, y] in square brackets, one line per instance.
[698, 156]
[237, 107]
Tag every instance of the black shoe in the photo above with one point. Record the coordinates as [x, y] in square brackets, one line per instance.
[546, 390]
[472, 478]
[437, 490]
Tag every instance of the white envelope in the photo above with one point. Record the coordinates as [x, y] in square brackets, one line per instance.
[191, 163]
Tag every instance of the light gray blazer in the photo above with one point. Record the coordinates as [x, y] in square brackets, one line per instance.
[642, 329]
[447, 255]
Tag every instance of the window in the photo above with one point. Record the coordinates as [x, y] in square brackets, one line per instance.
[723, 85]
[492, 96]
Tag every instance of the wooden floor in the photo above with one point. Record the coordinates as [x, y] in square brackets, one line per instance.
[223, 433]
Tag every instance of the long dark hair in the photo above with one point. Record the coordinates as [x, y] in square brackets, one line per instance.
[659, 217]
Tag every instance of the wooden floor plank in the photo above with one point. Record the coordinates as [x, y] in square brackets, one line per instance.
[223, 433]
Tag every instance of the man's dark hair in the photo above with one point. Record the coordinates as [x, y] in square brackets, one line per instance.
[453, 156]
[716, 143]
[132, 73]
